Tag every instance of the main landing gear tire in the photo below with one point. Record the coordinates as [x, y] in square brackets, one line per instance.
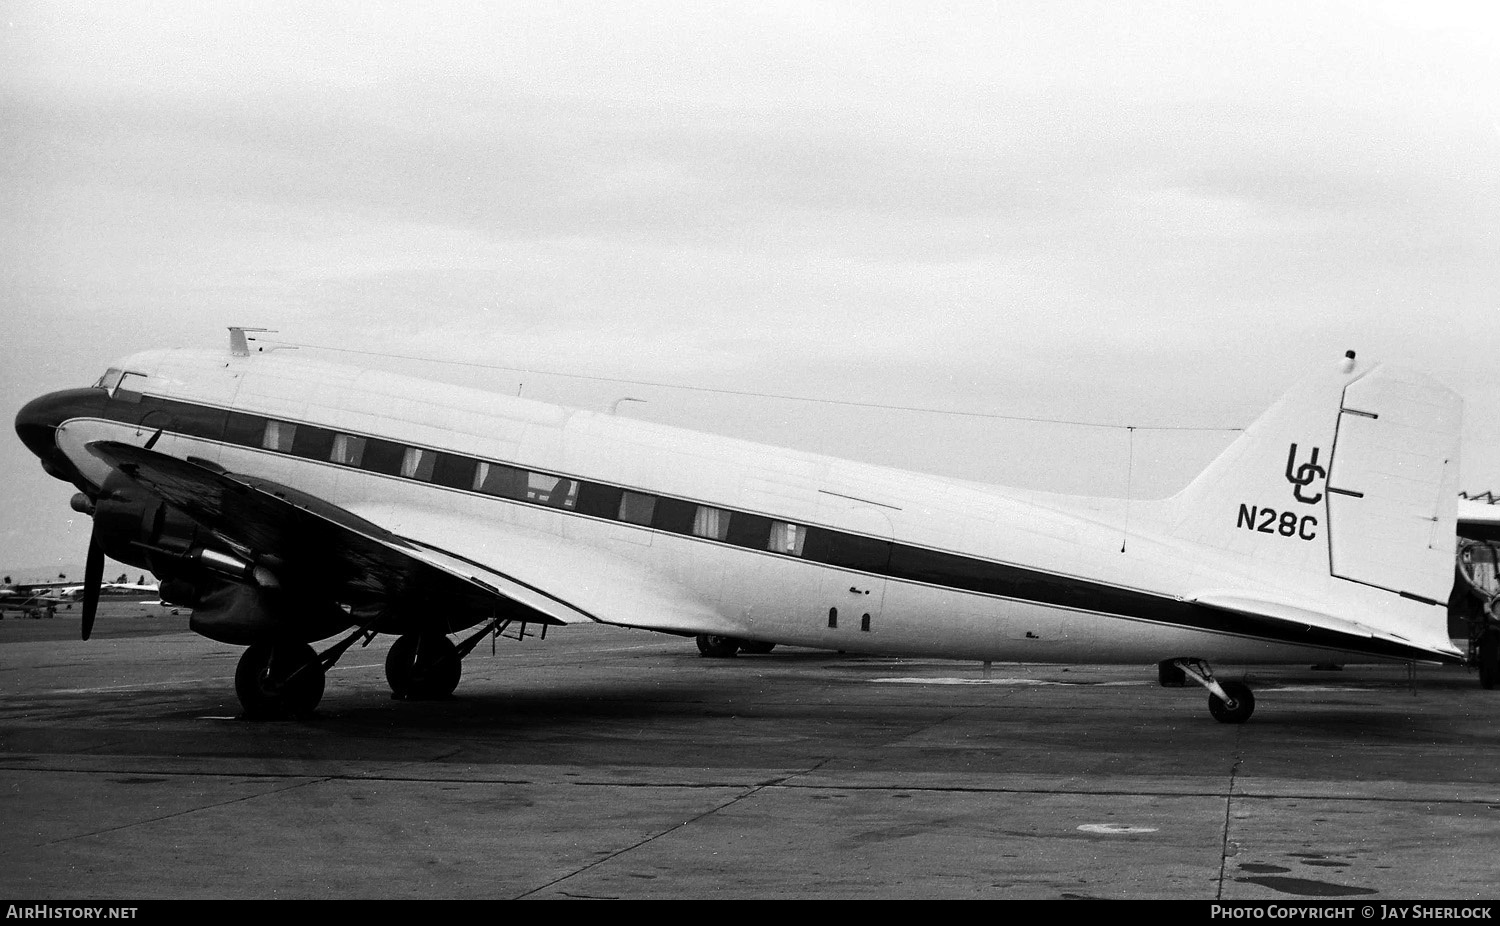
[276, 681]
[716, 646]
[1244, 703]
[756, 647]
[422, 667]
[1489, 659]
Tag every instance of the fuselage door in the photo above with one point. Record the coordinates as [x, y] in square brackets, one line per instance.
[851, 592]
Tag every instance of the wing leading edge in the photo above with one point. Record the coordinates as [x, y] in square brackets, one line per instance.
[316, 548]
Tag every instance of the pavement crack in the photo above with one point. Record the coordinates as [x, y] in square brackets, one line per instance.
[187, 811]
[1227, 849]
[748, 792]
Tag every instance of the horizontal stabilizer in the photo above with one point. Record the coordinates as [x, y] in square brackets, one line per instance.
[1296, 615]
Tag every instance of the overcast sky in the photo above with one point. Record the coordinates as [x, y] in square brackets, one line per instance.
[1132, 214]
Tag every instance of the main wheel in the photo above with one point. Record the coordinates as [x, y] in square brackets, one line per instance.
[1244, 703]
[423, 667]
[279, 680]
[757, 647]
[1489, 659]
[717, 646]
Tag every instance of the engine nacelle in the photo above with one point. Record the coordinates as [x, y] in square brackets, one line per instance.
[242, 615]
[135, 526]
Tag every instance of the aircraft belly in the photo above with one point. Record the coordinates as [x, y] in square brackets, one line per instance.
[921, 620]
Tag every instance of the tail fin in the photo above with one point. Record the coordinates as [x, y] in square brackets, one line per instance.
[1353, 474]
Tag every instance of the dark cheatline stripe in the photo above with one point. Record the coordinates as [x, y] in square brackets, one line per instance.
[872, 555]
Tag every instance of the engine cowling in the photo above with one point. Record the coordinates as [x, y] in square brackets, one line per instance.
[242, 615]
[136, 527]
[234, 600]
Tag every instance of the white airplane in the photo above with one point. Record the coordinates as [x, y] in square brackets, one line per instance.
[288, 500]
[32, 602]
[131, 588]
[42, 594]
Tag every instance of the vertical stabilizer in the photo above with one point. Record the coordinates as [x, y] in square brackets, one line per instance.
[1265, 498]
[1352, 474]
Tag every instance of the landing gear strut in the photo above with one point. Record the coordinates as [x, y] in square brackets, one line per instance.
[1488, 657]
[1228, 702]
[275, 681]
[423, 667]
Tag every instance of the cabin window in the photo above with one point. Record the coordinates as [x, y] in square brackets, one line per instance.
[279, 436]
[417, 463]
[712, 523]
[636, 508]
[454, 471]
[348, 450]
[599, 501]
[313, 443]
[749, 530]
[497, 479]
[245, 430]
[382, 456]
[786, 538]
[552, 491]
[674, 515]
[864, 622]
[833, 617]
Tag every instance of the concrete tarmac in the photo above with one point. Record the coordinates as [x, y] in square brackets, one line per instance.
[608, 763]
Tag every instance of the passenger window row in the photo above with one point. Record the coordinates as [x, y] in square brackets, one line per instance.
[497, 479]
[677, 516]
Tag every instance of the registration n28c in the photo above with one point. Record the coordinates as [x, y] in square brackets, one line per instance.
[1283, 523]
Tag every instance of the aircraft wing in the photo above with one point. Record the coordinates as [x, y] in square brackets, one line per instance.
[608, 588]
[348, 557]
[320, 548]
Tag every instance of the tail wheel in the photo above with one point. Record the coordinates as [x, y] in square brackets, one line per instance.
[275, 681]
[423, 667]
[716, 646]
[1238, 709]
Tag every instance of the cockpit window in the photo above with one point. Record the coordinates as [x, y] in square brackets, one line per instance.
[128, 388]
[110, 380]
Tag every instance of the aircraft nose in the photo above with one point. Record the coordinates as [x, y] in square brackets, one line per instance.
[37, 422]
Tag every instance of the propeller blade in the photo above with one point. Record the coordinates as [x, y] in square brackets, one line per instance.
[93, 577]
